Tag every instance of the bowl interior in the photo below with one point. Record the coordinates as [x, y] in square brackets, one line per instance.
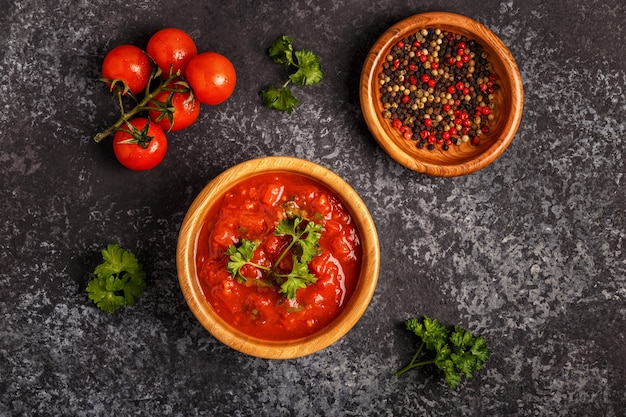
[191, 288]
[458, 160]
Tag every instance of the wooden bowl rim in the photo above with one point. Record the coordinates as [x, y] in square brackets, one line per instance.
[193, 294]
[368, 92]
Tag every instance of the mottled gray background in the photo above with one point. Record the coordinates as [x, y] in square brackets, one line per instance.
[529, 252]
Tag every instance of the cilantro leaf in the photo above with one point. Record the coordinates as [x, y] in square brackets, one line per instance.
[305, 239]
[456, 352]
[278, 99]
[298, 278]
[281, 50]
[310, 245]
[239, 256]
[303, 247]
[118, 281]
[309, 69]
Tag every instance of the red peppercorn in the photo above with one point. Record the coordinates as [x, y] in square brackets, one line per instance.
[476, 141]
[464, 106]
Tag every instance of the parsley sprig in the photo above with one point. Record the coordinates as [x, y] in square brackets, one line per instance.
[456, 352]
[119, 280]
[303, 247]
[308, 72]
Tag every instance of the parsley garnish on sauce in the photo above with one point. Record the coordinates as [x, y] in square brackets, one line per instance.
[303, 247]
[308, 71]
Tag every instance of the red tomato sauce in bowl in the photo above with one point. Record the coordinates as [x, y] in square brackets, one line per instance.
[250, 210]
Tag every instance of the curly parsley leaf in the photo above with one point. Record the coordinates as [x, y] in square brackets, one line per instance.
[279, 99]
[455, 352]
[118, 281]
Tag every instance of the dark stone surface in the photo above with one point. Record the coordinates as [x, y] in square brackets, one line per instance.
[529, 252]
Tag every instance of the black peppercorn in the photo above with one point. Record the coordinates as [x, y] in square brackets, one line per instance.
[435, 82]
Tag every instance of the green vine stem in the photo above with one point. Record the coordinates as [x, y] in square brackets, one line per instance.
[141, 106]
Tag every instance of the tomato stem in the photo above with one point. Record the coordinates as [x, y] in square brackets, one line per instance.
[141, 106]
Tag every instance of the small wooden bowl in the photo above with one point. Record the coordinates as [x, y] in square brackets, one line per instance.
[223, 331]
[458, 160]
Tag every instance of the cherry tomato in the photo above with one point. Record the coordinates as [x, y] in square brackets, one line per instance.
[212, 77]
[127, 64]
[175, 110]
[142, 149]
[171, 46]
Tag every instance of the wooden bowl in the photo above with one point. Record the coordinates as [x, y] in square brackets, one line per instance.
[458, 160]
[223, 331]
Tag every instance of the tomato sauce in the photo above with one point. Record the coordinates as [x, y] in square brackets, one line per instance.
[251, 210]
